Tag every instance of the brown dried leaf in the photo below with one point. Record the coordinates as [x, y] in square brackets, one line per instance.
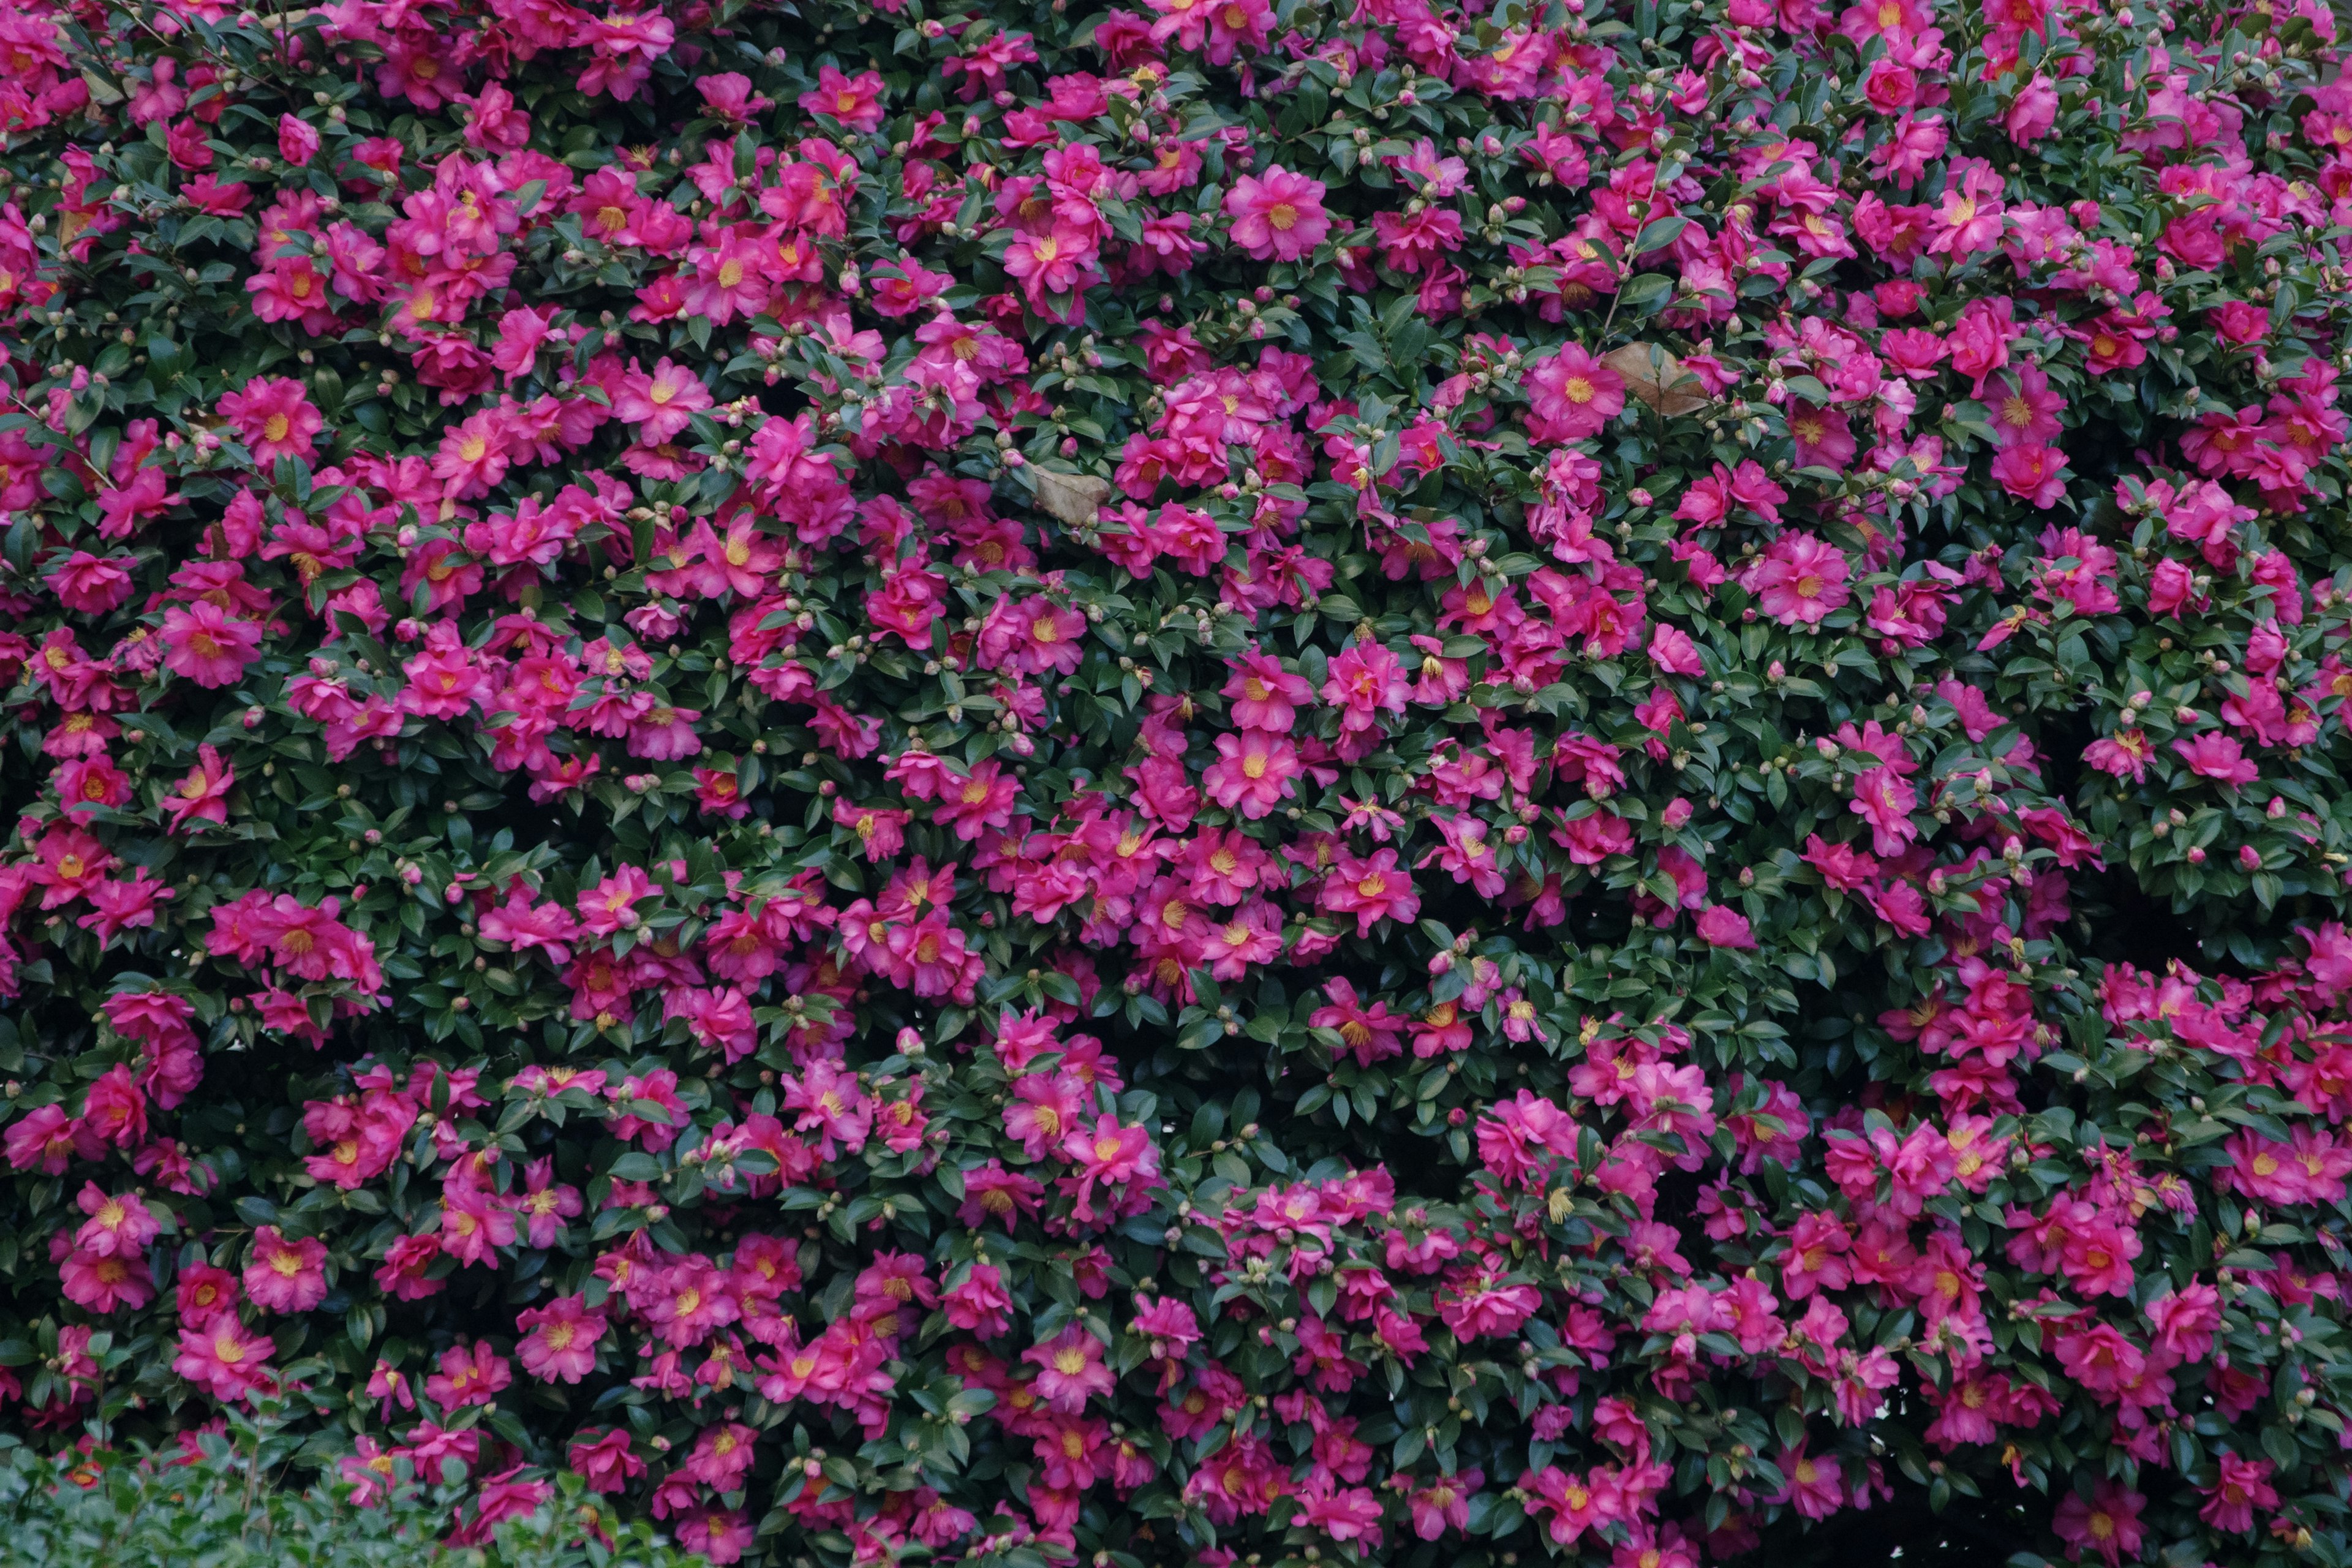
[1657, 378]
[1073, 498]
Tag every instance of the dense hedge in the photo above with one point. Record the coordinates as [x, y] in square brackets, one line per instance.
[219, 1502]
[1266, 781]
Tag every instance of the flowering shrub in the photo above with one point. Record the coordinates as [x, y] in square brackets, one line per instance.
[1225, 781]
[207, 1502]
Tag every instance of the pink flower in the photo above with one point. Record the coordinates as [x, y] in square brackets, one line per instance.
[561, 1344]
[2025, 411]
[1240, 938]
[1521, 1138]
[203, 794]
[1970, 218]
[467, 1377]
[2239, 322]
[2036, 474]
[856, 101]
[119, 1225]
[2219, 758]
[407, 1265]
[1672, 650]
[2101, 1359]
[1169, 1325]
[660, 404]
[2185, 1321]
[1444, 1503]
[1885, 799]
[1813, 1484]
[1369, 1034]
[1571, 395]
[975, 802]
[611, 905]
[2172, 587]
[2244, 1487]
[503, 1497]
[721, 1456]
[297, 139]
[207, 645]
[931, 958]
[1798, 580]
[1277, 218]
[1058, 262]
[45, 1136]
[1570, 1504]
[473, 456]
[979, 1303]
[1363, 682]
[90, 584]
[1253, 772]
[1721, 926]
[88, 784]
[368, 1469]
[2106, 1522]
[1042, 1107]
[2124, 754]
[1111, 1154]
[2031, 114]
[722, 1535]
[274, 418]
[225, 1359]
[732, 279]
[520, 332]
[545, 1204]
[115, 1111]
[473, 1227]
[286, 1275]
[2097, 1259]
[1816, 1259]
[1070, 1370]
[106, 1284]
[604, 1458]
[1347, 1513]
[1371, 889]
[1900, 905]
[1823, 439]
[203, 1293]
[832, 1105]
[1979, 339]
[2330, 962]
[1265, 695]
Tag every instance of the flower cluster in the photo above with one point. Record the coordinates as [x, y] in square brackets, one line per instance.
[1217, 783]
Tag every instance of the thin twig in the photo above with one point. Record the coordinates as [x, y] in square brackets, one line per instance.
[252, 1484]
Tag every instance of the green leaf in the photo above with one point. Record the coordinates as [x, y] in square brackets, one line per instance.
[636, 1167]
[1659, 234]
[1647, 293]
